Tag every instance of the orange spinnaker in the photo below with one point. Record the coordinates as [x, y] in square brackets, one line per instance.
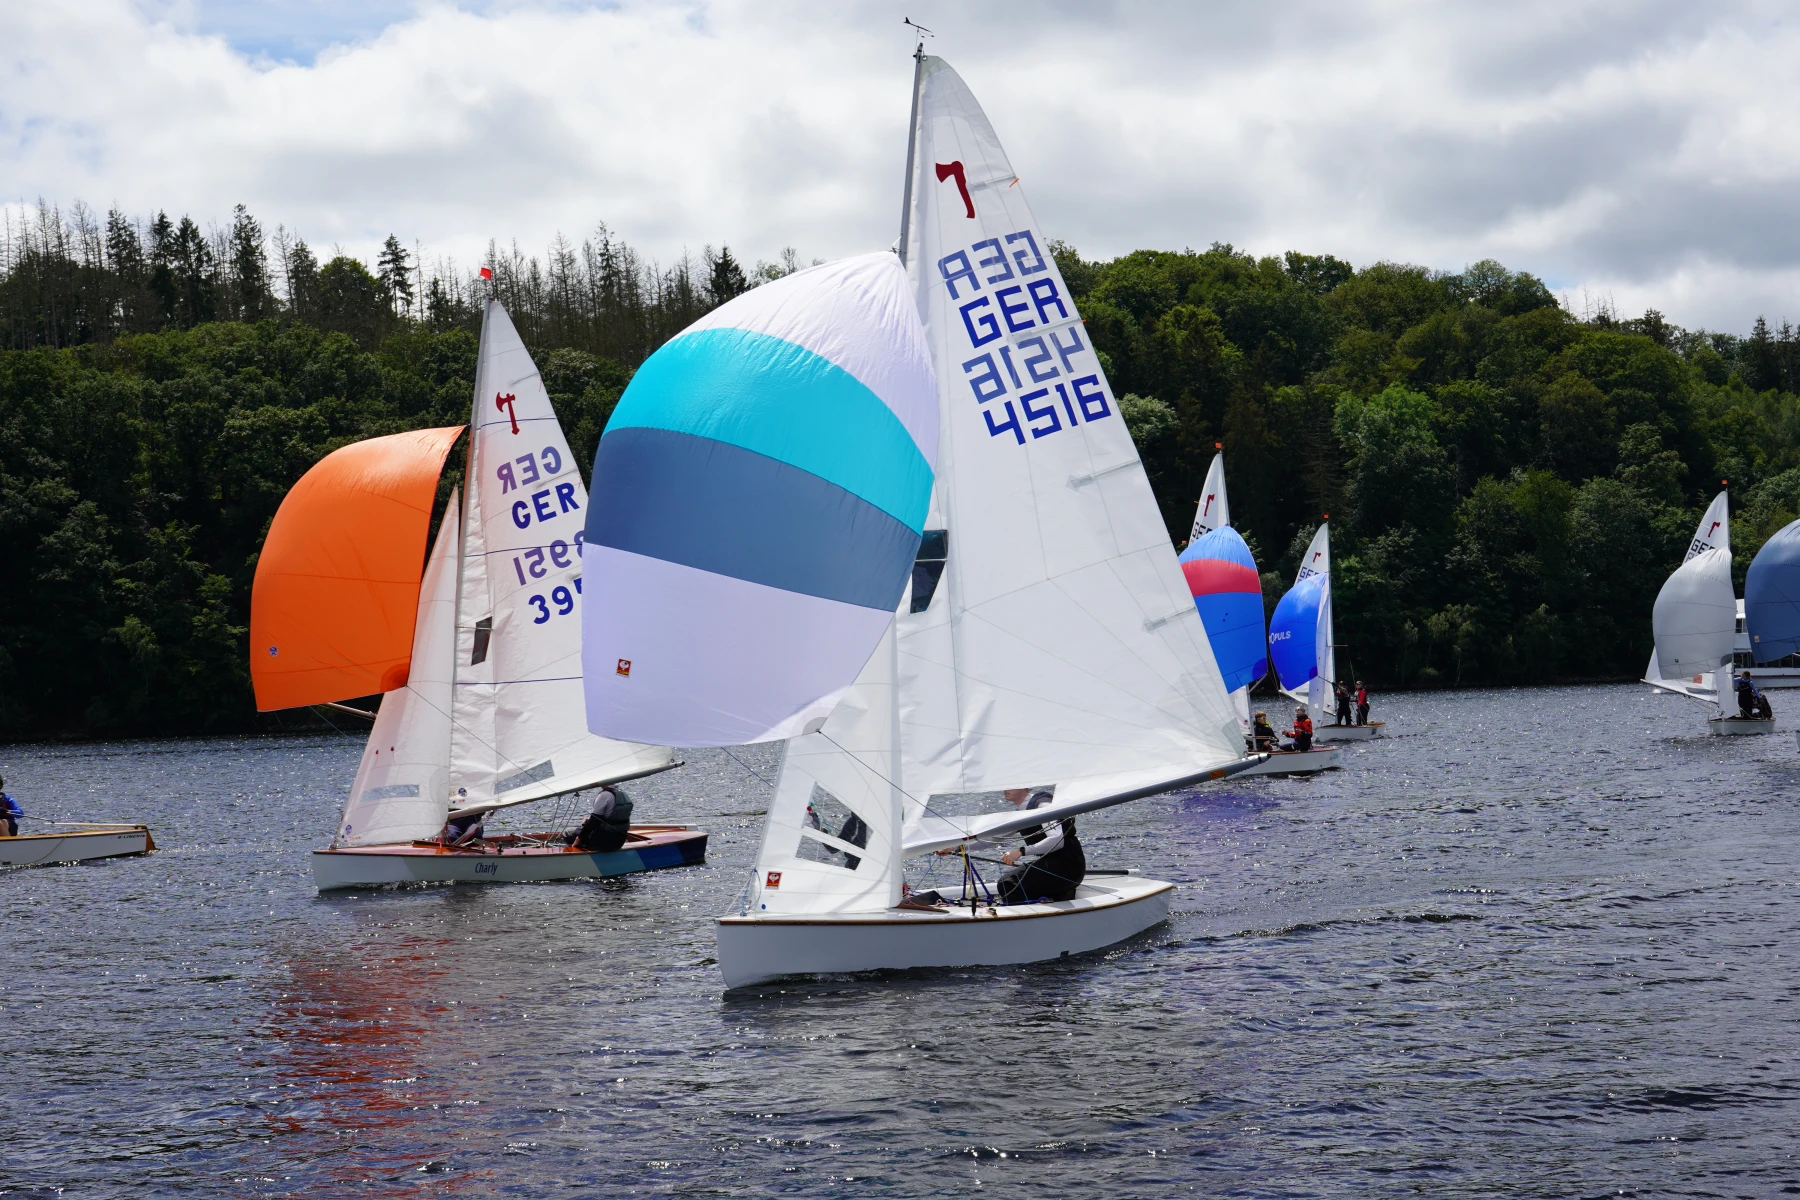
[337, 584]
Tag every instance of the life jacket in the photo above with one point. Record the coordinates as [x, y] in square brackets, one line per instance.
[1303, 725]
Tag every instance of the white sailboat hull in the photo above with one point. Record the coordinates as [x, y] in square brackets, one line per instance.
[1348, 733]
[1739, 726]
[423, 862]
[757, 949]
[74, 845]
[1297, 762]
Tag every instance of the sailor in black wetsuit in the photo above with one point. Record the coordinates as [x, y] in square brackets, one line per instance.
[1052, 864]
[607, 824]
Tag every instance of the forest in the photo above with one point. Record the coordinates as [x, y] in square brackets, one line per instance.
[1508, 482]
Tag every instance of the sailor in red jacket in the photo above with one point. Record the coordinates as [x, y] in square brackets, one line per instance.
[1302, 731]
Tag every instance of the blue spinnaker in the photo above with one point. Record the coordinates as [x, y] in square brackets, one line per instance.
[1772, 597]
[1293, 633]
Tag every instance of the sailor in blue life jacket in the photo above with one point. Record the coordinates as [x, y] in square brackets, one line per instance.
[1751, 702]
[10, 812]
[608, 823]
[465, 830]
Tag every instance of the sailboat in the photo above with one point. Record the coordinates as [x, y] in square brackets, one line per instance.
[477, 657]
[74, 841]
[1046, 638]
[1695, 623]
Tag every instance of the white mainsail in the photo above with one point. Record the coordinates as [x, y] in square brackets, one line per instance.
[402, 788]
[1320, 688]
[520, 732]
[1713, 533]
[1212, 511]
[1051, 638]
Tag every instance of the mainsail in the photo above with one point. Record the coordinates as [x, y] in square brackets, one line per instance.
[1695, 617]
[1048, 636]
[1713, 533]
[1212, 511]
[519, 731]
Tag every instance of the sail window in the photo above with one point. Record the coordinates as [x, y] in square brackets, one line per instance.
[831, 817]
[537, 774]
[484, 629]
[393, 791]
[928, 567]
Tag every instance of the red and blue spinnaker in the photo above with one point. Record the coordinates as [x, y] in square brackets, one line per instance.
[1221, 576]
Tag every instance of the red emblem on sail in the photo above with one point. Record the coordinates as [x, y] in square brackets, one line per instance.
[774, 879]
[505, 405]
[624, 667]
[954, 170]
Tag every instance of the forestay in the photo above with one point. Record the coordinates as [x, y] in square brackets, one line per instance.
[519, 729]
[402, 787]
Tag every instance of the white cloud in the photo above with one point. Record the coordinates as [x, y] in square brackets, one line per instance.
[1646, 152]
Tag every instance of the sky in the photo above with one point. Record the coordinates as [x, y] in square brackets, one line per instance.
[1638, 155]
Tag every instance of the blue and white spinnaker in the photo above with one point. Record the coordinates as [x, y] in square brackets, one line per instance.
[758, 500]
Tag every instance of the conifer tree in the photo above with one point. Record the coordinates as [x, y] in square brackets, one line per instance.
[249, 267]
[394, 270]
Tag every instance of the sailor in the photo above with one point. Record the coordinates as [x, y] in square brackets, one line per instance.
[464, 830]
[608, 823]
[10, 812]
[1302, 732]
[1262, 734]
[1747, 696]
[1057, 864]
[1362, 703]
[1343, 702]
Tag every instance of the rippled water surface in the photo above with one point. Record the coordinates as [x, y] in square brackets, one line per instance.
[1543, 943]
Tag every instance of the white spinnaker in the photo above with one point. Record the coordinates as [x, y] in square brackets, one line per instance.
[802, 866]
[1212, 511]
[402, 787]
[1695, 617]
[521, 730]
[1061, 645]
[1713, 532]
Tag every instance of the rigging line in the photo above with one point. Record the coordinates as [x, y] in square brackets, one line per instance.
[924, 804]
[753, 772]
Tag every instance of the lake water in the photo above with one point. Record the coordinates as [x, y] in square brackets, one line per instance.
[1541, 943]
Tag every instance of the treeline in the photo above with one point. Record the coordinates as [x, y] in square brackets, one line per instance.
[1508, 482]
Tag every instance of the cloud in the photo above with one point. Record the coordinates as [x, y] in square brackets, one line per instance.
[1640, 151]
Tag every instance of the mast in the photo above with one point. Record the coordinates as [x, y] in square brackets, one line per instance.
[912, 146]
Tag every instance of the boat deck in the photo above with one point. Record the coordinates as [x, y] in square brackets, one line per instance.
[520, 845]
